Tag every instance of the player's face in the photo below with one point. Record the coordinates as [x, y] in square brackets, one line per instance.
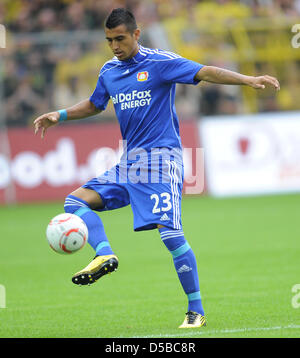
[123, 43]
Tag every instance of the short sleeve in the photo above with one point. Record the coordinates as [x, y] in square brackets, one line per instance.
[179, 70]
[100, 96]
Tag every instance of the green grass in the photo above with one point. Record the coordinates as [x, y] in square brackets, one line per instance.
[247, 249]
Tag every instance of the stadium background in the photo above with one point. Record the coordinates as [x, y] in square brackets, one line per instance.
[54, 50]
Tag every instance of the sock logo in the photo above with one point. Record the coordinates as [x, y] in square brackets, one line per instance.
[184, 268]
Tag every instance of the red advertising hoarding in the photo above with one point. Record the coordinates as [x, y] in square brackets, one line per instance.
[35, 169]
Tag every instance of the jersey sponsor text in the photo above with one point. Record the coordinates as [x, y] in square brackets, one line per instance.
[133, 99]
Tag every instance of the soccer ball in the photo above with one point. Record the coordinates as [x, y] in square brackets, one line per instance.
[66, 233]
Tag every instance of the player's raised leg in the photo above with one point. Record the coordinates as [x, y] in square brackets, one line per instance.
[81, 202]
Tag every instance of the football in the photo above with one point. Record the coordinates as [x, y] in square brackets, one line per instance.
[66, 233]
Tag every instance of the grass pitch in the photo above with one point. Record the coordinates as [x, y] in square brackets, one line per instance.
[247, 249]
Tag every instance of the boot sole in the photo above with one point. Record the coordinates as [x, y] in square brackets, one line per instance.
[87, 278]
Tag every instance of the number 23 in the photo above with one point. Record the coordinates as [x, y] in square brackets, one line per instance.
[166, 197]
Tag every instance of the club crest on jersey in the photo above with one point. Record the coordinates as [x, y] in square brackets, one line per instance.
[142, 76]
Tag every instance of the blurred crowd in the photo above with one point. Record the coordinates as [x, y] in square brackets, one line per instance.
[43, 73]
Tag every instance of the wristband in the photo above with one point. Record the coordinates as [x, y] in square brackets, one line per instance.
[62, 115]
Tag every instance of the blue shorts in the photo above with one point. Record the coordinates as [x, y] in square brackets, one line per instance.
[153, 191]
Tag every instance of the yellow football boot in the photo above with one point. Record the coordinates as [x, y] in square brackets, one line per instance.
[193, 320]
[100, 266]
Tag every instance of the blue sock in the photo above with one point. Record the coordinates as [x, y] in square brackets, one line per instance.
[97, 237]
[185, 265]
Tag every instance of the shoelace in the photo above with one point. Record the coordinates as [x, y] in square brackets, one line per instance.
[191, 317]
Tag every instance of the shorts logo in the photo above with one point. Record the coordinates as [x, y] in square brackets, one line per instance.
[164, 217]
[142, 76]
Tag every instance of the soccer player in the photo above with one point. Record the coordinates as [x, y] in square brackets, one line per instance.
[141, 84]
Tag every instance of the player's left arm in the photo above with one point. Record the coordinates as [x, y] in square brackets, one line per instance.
[222, 76]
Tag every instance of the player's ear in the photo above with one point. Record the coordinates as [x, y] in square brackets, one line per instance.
[136, 34]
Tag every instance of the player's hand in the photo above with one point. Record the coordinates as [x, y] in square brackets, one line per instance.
[45, 121]
[261, 82]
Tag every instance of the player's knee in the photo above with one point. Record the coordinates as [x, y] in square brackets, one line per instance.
[73, 203]
[89, 196]
[173, 239]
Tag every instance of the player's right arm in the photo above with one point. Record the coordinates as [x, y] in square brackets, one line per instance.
[83, 109]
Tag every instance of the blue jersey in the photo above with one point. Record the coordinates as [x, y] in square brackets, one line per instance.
[142, 90]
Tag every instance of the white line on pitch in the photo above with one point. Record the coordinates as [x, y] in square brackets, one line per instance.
[237, 330]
